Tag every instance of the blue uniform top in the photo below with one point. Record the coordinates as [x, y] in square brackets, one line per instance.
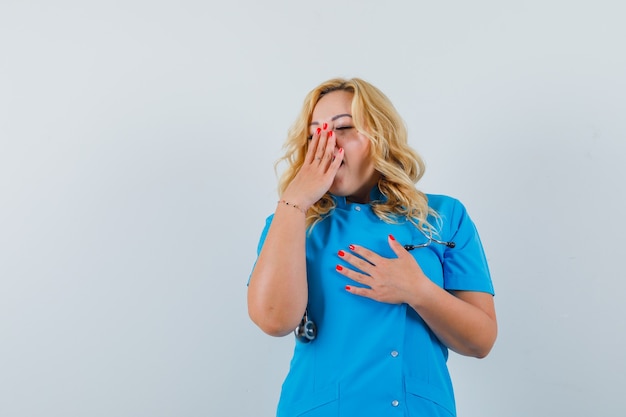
[371, 358]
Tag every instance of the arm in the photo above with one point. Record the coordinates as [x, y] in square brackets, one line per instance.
[464, 321]
[277, 291]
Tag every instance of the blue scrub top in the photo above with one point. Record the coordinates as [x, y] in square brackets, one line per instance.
[371, 358]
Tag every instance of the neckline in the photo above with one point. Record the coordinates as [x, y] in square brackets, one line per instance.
[375, 196]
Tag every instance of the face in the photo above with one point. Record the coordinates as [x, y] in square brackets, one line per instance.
[356, 176]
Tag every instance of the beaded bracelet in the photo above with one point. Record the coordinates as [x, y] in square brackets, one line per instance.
[287, 203]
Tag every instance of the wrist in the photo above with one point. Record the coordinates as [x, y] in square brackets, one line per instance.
[422, 293]
[293, 205]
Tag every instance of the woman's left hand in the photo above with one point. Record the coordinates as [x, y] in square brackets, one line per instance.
[465, 321]
[390, 280]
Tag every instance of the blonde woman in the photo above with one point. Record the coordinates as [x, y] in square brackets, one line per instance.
[378, 279]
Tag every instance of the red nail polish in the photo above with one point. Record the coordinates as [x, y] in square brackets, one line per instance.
[348, 287]
[319, 130]
[339, 268]
[351, 247]
[325, 126]
[330, 134]
[341, 253]
[391, 237]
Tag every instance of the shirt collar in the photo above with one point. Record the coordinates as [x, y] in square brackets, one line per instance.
[375, 196]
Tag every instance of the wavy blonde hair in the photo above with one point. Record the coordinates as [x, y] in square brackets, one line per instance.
[400, 166]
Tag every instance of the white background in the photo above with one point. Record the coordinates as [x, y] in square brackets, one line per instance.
[137, 143]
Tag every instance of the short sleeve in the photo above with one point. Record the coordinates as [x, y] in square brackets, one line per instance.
[268, 222]
[464, 266]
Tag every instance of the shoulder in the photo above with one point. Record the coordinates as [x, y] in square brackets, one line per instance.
[444, 204]
[449, 210]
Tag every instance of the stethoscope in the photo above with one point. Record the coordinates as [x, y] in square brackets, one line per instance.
[307, 329]
[428, 242]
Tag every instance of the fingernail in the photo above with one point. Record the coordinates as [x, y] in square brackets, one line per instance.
[341, 253]
[351, 247]
[339, 268]
[348, 287]
[340, 150]
[319, 130]
[325, 126]
[330, 133]
[391, 237]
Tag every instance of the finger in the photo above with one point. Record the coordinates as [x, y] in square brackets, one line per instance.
[313, 144]
[330, 147]
[336, 161]
[370, 256]
[321, 146]
[353, 275]
[396, 247]
[363, 292]
[355, 261]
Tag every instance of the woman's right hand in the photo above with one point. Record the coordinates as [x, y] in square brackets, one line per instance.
[317, 173]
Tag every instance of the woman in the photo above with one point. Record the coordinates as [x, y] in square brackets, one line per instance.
[391, 277]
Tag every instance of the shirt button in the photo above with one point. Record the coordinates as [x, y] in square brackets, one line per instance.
[394, 353]
[357, 208]
[395, 403]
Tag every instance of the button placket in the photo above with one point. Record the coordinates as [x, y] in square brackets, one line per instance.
[394, 354]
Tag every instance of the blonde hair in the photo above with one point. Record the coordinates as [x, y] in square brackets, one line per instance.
[400, 166]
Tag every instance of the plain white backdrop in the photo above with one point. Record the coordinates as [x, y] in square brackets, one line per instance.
[137, 143]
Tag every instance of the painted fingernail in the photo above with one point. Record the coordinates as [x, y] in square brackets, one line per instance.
[319, 130]
[339, 268]
[341, 253]
[391, 237]
[348, 287]
[351, 247]
[330, 134]
[340, 150]
[325, 126]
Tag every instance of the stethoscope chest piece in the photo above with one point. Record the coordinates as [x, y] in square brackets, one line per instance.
[306, 330]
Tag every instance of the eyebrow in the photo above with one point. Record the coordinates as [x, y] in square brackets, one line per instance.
[333, 119]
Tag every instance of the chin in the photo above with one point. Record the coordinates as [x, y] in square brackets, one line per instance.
[338, 190]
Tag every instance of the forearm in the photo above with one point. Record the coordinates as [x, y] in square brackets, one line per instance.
[464, 321]
[277, 292]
